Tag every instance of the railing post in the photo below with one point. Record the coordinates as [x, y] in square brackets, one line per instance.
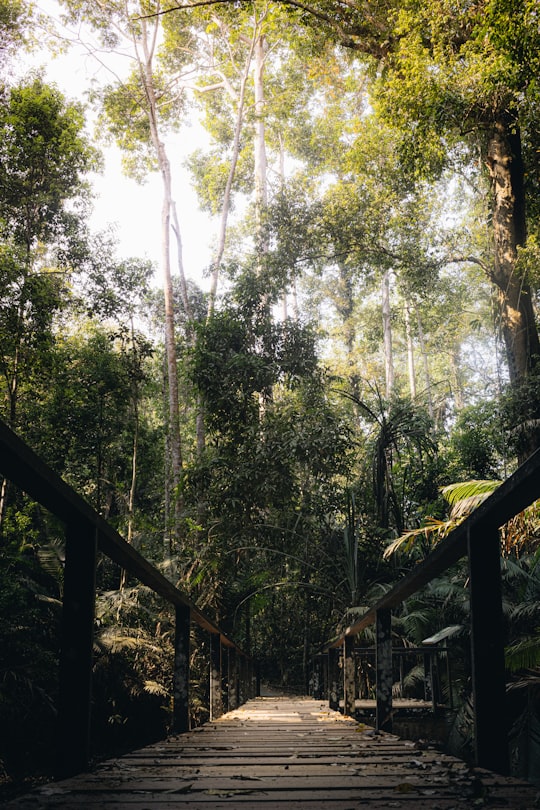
[333, 678]
[383, 662]
[216, 699]
[233, 679]
[76, 652]
[257, 679]
[181, 722]
[318, 678]
[225, 678]
[487, 651]
[349, 676]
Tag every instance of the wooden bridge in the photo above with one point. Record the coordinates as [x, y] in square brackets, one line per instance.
[295, 754]
[273, 752]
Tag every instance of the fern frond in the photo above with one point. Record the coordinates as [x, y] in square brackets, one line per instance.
[155, 688]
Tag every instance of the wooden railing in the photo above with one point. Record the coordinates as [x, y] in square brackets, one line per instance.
[478, 539]
[86, 534]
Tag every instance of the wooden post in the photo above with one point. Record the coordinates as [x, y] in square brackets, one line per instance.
[383, 662]
[257, 679]
[333, 678]
[241, 679]
[428, 686]
[233, 680]
[181, 722]
[216, 698]
[225, 677]
[349, 676]
[76, 650]
[487, 652]
[251, 678]
[318, 679]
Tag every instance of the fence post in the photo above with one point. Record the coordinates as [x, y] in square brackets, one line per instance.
[216, 699]
[181, 722]
[383, 662]
[333, 678]
[233, 679]
[76, 651]
[487, 651]
[349, 676]
[318, 677]
[257, 679]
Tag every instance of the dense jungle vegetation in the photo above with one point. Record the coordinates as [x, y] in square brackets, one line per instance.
[285, 438]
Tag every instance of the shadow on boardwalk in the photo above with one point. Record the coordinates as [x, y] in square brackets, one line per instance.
[282, 753]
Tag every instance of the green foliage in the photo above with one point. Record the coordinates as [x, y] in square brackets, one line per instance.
[43, 155]
[30, 613]
[478, 441]
[15, 19]
[521, 413]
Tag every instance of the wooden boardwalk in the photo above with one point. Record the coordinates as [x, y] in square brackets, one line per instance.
[282, 753]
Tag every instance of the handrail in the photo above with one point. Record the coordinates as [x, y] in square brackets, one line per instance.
[511, 497]
[478, 538]
[86, 533]
[23, 467]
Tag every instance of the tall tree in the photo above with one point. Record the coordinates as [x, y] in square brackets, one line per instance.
[137, 112]
[44, 156]
[462, 74]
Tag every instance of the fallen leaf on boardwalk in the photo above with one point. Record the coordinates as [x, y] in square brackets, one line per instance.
[248, 778]
[183, 789]
[224, 794]
[405, 787]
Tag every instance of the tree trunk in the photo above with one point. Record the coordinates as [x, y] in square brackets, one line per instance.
[387, 335]
[225, 208]
[410, 351]
[505, 164]
[145, 66]
[261, 192]
[425, 363]
[518, 326]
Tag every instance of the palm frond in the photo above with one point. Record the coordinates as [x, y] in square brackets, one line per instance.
[465, 496]
[432, 530]
[525, 654]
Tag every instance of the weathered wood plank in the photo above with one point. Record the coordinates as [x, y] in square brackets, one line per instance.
[282, 755]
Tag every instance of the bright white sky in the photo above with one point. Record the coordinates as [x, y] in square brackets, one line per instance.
[134, 210]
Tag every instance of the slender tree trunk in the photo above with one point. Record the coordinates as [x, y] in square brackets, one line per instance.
[261, 189]
[145, 66]
[387, 335]
[457, 387]
[261, 185]
[200, 428]
[226, 206]
[410, 351]
[425, 363]
[134, 459]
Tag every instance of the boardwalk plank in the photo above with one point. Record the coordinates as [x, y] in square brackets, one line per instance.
[275, 754]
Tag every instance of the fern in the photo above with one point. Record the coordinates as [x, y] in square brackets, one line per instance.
[155, 688]
[525, 654]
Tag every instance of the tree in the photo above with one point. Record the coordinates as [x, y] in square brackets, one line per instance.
[450, 76]
[44, 156]
[136, 112]
[15, 18]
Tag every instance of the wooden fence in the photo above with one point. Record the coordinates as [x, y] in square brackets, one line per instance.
[478, 539]
[86, 534]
